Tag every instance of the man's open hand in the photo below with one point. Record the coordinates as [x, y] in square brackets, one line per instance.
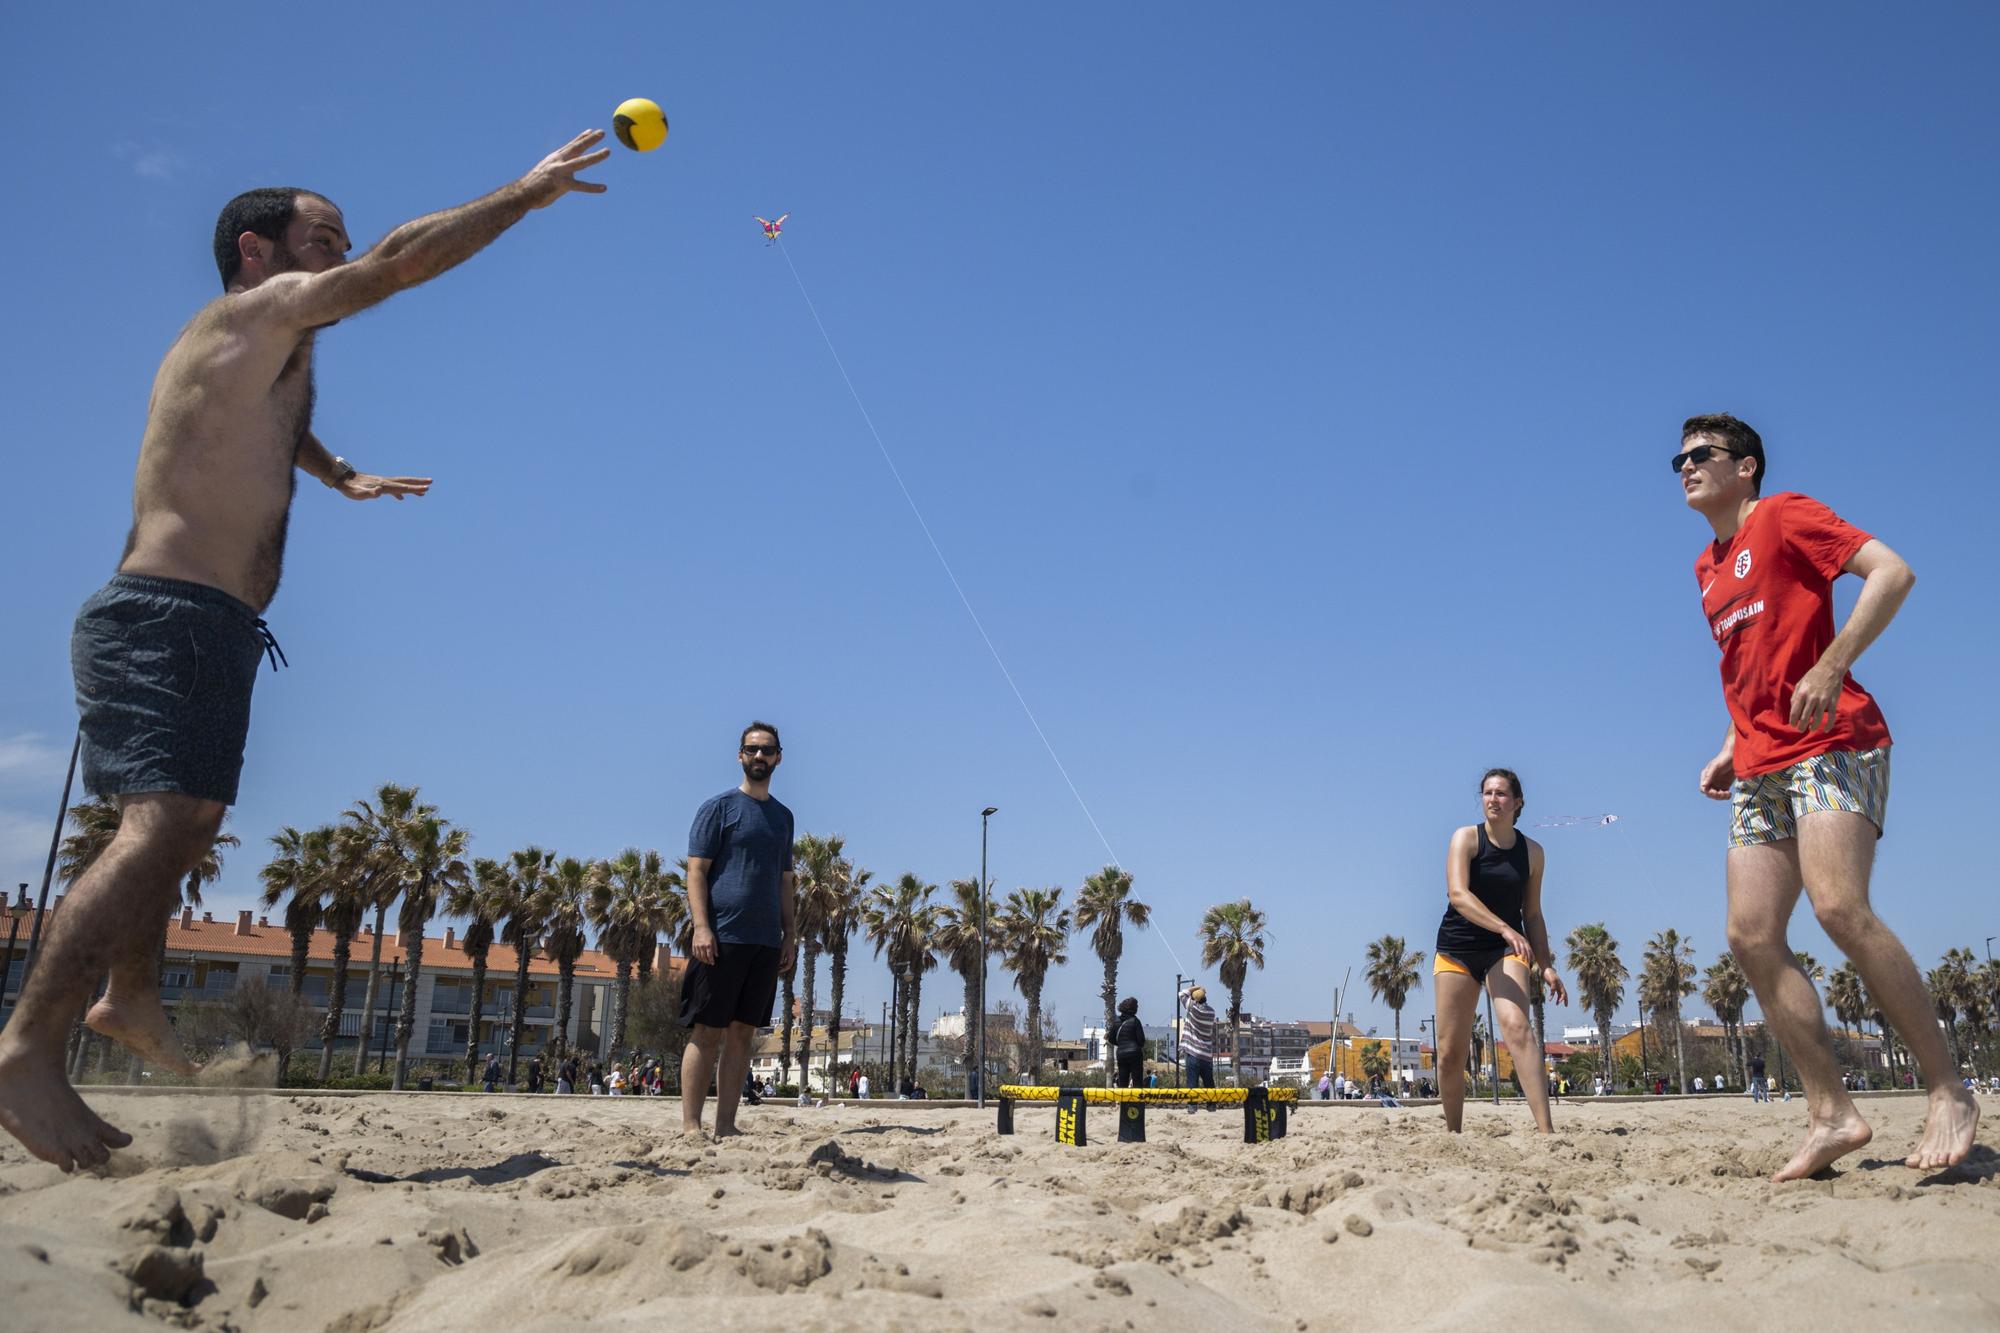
[555, 175]
[368, 486]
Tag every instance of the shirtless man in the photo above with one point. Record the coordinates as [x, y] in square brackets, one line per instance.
[1805, 768]
[166, 653]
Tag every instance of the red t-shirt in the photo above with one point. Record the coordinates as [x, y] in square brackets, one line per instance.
[1768, 594]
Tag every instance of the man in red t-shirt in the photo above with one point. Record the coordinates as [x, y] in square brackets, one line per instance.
[1805, 767]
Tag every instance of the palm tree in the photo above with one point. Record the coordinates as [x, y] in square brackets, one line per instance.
[482, 900]
[348, 888]
[1983, 989]
[1848, 998]
[958, 937]
[530, 871]
[837, 931]
[621, 907]
[94, 823]
[437, 859]
[1033, 929]
[1232, 940]
[566, 898]
[1600, 982]
[1726, 990]
[921, 957]
[817, 868]
[299, 875]
[1105, 904]
[1971, 1005]
[383, 828]
[1669, 975]
[1392, 974]
[669, 916]
[1375, 1064]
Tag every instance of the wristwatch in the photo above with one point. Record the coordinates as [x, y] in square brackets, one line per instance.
[342, 470]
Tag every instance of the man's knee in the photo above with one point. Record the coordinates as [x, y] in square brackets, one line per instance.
[705, 1039]
[171, 830]
[1757, 942]
[1845, 921]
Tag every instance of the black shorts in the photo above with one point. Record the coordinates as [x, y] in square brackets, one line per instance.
[164, 670]
[739, 987]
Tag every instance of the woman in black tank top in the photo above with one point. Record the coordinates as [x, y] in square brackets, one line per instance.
[1492, 935]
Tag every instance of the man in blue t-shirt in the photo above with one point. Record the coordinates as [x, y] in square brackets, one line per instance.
[740, 886]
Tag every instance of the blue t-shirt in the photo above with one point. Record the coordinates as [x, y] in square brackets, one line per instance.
[748, 844]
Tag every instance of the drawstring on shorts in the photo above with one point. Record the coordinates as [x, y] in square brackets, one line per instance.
[272, 652]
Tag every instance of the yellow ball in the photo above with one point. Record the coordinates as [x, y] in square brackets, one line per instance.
[639, 124]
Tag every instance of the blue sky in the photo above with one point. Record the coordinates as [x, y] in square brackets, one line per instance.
[1290, 392]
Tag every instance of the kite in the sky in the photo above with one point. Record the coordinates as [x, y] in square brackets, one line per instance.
[1576, 821]
[771, 229]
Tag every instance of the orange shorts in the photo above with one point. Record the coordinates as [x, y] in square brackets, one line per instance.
[1476, 965]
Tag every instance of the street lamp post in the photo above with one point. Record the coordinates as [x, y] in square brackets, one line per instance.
[980, 1017]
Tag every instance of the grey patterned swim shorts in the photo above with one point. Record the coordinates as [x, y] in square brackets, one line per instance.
[164, 670]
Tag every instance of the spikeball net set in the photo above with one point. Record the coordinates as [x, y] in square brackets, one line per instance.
[1265, 1110]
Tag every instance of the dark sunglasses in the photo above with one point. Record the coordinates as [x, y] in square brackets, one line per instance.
[1700, 454]
[762, 751]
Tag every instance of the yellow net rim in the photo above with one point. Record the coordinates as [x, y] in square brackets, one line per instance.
[1169, 1096]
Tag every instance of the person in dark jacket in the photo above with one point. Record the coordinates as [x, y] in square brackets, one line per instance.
[1129, 1040]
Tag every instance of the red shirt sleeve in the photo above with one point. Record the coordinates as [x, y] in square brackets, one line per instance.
[1826, 540]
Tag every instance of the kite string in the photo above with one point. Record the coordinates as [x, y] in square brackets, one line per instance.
[963, 600]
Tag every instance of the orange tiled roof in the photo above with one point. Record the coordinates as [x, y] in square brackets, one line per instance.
[206, 935]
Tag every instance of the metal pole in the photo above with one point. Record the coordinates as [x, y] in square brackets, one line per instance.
[388, 1019]
[49, 870]
[984, 913]
[1180, 1060]
[1493, 1048]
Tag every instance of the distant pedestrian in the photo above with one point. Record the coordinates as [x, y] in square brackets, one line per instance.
[1129, 1040]
[1197, 1039]
[492, 1077]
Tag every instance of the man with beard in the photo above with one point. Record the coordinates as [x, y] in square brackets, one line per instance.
[740, 887]
[166, 653]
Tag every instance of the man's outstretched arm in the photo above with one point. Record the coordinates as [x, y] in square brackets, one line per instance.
[317, 461]
[420, 250]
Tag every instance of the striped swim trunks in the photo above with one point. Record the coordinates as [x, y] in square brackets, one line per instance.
[1766, 808]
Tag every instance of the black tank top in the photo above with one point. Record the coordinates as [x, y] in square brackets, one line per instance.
[1499, 880]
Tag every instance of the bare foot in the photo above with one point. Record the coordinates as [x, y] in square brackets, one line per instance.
[693, 1131]
[1948, 1129]
[1826, 1144]
[728, 1132]
[38, 1107]
[142, 1026]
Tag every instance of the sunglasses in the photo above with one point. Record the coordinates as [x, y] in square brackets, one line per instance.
[1700, 454]
[761, 751]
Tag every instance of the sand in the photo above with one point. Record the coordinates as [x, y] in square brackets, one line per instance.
[442, 1212]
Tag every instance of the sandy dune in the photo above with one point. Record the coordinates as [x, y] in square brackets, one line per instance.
[469, 1212]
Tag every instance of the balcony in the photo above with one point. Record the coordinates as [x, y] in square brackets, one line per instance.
[451, 1004]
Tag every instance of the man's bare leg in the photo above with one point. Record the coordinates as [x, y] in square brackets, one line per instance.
[175, 830]
[1457, 999]
[113, 908]
[1836, 853]
[729, 1079]
[1763, 889]
[1508, 985]
[698, 1063]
